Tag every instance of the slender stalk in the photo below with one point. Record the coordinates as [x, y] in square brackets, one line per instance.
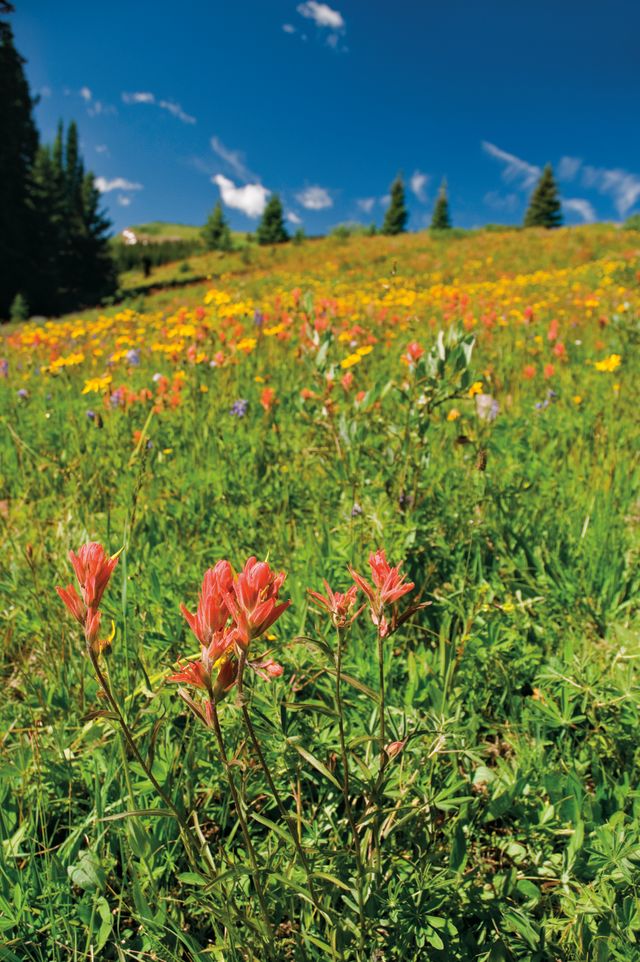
[267, 773]
[255, 872]
[184, 827]
[346, 789]
[382, 735]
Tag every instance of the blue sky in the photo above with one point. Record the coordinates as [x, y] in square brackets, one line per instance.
[324, 103]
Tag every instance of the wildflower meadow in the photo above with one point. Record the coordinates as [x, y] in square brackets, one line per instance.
[319, 591]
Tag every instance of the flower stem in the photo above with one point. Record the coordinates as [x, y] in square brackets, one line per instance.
[346, 789]
[267, 773]
[255, 873]
[128, 736]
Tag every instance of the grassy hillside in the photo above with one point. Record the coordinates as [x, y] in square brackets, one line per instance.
[441, 764]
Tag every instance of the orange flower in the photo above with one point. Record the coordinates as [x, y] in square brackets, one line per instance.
[267, 398]
[388, 587]
[93, 569]
[548, 370]
[338, 605]
[253, 600]
[528, 372]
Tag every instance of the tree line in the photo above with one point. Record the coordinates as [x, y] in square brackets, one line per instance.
[54, 248]
[544, 210]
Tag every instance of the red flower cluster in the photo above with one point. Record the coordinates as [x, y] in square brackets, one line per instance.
[233, 610]
[387, 588]
[93, 569]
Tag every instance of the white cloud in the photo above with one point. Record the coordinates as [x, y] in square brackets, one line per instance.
[568, 167]
[315, 198]
[146, 97]
[515, 170]
[233, 158]
[142, 97]
[498, 201]
[581, 207]
[620, 185]
[288, 28]
[177, 111]
[102, 149]
[322, 14]
[418, 183]
[250, 199]
[123, 200]
[385, 200]
[366, 204]
[293, 218]
[118, 183]
[85, 93]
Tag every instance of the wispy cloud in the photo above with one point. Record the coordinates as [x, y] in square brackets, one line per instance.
[620, 185]
[140, 97]
[233, 158]
[568, 167]
[293, 218]
[45, 91]
[322, 14]
[288, 28]
[315, 198]
[102, 149]
[251, 199]
[517, 171]
[418, 183]
[118, 183]
[177, 111]
[366, 204]
[94, 107]
[85, 93]
[123, 200]
[581, 207]
[146, 97]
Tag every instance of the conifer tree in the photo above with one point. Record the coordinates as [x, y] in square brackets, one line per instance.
[215, 233]
[395, 219]
[18, 146]
[441, 219]
[544, 208]
[271, 229]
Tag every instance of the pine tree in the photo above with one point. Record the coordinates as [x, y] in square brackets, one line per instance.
[441, 219]
[544, 208]
[215, 233]
[271, 229]
[395, 219]
[18, 146]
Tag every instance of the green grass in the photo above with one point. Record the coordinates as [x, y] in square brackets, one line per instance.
[507, 828]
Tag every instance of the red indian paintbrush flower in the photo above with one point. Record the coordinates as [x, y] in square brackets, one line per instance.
[93, 568]
[338, 605]
[388, 587]
[213, 612]
[253, 600]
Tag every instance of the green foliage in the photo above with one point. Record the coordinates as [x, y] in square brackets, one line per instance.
[129, 257]
[53, 236]
[441, 219]
[632, 223]
[18, 146]
[271, 229]
[545, 209]
[215, 233]
[396, 216]
[507, 821]
[19, 310]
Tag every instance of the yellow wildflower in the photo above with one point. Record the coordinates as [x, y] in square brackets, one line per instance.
[609, 364]
[97, 384]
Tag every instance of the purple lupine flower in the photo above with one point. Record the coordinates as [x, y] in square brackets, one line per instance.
[133, 356]
[239, 408]
[356, 510]
[23, 393]
[258, 318]
[4, 367]
[91, 415]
